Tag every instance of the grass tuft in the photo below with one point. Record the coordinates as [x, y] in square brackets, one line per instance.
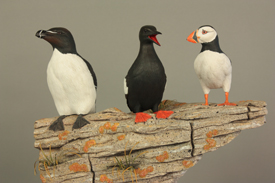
[128, 164]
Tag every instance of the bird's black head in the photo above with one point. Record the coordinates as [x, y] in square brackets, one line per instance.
[148, 33]
[60, 38]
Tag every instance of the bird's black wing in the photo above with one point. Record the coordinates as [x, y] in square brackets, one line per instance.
[91, 71]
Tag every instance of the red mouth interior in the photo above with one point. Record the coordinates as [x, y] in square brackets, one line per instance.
[153, 37]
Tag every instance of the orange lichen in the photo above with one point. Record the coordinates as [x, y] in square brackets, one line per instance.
[107, 125]
[104, 178]
[89, 144]
[150, 169]
[114, 127]
[109, 181]
[137, 170]
[187, 164]
[209, 134]
[160, 158]
[42, 178]
[206, 147]
[143, 173]
[76, 167]
[215, 132]
[85, 149]
[65, 133]
[121, 137]
[163, 156]
[101, 129]
[211, 142]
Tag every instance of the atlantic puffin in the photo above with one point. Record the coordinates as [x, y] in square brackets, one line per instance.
[145, 82]
[212, 66]
[71, 79]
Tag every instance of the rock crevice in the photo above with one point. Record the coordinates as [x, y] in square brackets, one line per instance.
[163, 149]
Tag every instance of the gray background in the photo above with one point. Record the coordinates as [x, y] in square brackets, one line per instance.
[106, 34]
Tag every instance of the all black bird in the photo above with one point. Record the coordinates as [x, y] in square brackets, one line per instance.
[71, 79]
[145, 82]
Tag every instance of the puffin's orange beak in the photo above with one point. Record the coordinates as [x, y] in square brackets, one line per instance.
[193, 37]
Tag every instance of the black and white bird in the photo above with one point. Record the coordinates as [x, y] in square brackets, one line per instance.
[212, 66]
[145, 82]
[71, 79]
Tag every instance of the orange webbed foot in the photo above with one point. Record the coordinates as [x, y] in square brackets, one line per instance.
[163, 114]
[142, 117]
[227, 103]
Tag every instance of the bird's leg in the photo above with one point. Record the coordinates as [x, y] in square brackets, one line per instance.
[226, 100]
[206, 99]
[58, 125]
[80, 122]
[142, 117]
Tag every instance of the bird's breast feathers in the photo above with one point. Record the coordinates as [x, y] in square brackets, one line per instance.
[69, 79]
[213, 68]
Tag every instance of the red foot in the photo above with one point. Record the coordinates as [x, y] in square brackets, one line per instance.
[227, 103]
[163, 114]
[142, 117]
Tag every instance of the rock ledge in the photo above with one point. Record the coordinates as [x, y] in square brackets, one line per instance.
[172, 145]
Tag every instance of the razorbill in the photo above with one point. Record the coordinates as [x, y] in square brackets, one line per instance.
[212, 66]
[71, 79]
[145, 82]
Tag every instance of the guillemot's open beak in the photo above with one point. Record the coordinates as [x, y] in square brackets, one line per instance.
[154, 38]
[193, 37]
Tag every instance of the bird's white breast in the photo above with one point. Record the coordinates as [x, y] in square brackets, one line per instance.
[214, 70]
[71, 84]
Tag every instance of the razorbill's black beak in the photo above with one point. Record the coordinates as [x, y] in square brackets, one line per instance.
[40, 34]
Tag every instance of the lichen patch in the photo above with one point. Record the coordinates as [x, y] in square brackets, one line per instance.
[61, 135]
[76, 167]
[187, 164]
[163, 157]
[104, 178]
[121, 137]
[89, 144]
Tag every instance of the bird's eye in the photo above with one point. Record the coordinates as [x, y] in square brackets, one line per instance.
[204, 31]
[147, 30]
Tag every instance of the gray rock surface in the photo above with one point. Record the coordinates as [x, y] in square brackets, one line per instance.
[164, 148]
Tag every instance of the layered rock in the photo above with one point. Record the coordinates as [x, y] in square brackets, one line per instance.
[164, 148]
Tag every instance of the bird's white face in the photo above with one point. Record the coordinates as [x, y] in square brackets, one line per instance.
[206, 34]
